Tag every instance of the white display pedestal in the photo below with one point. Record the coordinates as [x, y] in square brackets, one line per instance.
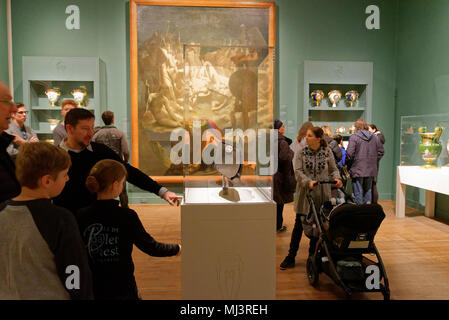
[432, 180]
[228, 248]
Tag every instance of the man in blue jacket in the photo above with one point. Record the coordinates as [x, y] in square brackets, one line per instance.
[362, 155]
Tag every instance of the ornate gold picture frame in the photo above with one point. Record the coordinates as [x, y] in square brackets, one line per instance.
[159, 32]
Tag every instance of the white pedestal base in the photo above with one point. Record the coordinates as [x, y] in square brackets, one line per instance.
[228, 249]
[432, 180]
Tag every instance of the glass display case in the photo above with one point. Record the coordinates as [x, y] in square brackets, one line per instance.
[425, 140]
[228, 146]
[228, 150]
[424, 160]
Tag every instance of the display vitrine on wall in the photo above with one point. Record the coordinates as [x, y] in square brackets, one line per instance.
[65, 74]
[424, 159]
[425, 140]
[343, 76]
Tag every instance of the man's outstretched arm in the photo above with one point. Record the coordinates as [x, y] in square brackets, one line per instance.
[138, 178]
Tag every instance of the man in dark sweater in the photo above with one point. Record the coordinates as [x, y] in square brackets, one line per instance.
[85, 154]
[9, 186]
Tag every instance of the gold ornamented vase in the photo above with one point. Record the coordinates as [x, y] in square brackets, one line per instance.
[53, 95]
[53, 123]
[351, 96]
[447, 147]
[317, 96]
[334, 97]
[79, 95]
[351, 129]
[430, 146]
[340, 130]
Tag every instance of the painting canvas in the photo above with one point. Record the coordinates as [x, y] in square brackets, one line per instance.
[186, 62]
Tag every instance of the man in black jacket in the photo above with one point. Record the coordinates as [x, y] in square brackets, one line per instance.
[9, 186]
[84, 154]
[373, 129]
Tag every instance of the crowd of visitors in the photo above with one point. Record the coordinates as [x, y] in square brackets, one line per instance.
[59, 217]
[319, 156]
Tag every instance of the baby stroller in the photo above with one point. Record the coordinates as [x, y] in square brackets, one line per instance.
[344, 234]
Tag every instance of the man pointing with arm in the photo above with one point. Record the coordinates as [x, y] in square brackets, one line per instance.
[85, 154]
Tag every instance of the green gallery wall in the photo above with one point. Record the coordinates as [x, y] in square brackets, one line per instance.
[422, 74]
[335, 30]
[305, 30]
[39, 30]
[3, 40]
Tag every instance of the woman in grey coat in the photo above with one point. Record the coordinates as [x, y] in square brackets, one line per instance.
[314, 162]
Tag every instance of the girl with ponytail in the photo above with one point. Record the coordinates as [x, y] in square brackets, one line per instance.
[109, 233]
[106, 177]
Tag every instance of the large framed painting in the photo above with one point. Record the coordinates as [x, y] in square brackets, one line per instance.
[195, 58]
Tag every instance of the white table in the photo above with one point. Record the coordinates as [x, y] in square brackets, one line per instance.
[228, 248]
[432, 180]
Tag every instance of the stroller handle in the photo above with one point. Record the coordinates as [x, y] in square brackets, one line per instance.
[324, 182]
[332, 182]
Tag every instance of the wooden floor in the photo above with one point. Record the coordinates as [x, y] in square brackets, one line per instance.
[415, 251]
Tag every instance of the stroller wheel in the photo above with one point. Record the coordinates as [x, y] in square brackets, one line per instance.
[312, 272]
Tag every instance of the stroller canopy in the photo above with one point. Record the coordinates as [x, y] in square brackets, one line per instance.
[353, 218]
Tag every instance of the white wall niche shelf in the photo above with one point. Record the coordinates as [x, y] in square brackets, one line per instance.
[342, 76]
[65, 74]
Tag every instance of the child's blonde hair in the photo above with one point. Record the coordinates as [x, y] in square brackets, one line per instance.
[38, 159]
[103, 174]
